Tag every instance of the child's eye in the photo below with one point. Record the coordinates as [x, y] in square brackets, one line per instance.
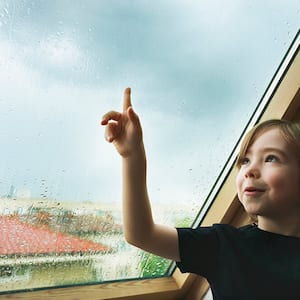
[271, 158]
[244, 161]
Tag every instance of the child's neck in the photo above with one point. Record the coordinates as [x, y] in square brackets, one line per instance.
[283, 227]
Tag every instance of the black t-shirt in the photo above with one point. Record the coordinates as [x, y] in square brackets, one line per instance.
[244, 263]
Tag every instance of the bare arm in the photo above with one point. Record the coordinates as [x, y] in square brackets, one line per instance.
[124, 130]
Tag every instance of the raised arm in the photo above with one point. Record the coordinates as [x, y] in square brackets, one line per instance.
[125, 131]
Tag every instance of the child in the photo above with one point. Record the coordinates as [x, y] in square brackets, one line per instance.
[252, 262]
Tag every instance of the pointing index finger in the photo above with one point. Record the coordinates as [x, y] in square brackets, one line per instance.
[127, 98]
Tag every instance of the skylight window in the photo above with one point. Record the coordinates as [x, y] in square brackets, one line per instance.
[197, 72]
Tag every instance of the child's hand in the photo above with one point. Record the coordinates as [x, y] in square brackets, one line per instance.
[123, 129]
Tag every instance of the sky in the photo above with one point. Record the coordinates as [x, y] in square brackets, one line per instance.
[197, 70]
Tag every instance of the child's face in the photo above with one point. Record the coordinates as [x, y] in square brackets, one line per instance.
[268, 181]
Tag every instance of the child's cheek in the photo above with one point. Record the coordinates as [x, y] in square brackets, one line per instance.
[238, 185]
[280, 184]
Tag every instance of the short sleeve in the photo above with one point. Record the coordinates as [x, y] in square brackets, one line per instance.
[198, 249]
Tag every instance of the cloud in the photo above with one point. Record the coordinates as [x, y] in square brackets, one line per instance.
[14, 75]
[59, 51]
[53, 133]
[63, 67]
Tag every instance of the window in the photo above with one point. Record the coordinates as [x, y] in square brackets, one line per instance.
[63, 65]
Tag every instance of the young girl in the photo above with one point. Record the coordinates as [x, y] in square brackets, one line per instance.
[252, 262]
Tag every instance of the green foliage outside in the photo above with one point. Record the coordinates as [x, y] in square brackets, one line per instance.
[153, 266]
[185, 222]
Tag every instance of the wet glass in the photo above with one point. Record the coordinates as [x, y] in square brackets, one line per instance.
[197, 71]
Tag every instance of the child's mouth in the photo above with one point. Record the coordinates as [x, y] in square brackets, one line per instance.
[253, 191]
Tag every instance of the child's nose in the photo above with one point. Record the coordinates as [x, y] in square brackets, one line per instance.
[252, 171]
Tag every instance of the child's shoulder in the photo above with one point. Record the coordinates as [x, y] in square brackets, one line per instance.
[230, 229]
[252, 231]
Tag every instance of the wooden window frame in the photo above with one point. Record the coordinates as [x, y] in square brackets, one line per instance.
[283, 101]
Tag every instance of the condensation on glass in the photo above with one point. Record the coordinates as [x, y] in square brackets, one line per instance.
[61, 67]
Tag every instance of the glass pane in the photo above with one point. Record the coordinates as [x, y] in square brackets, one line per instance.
[197, 71]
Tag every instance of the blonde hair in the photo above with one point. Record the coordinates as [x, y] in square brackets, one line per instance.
[290, 132]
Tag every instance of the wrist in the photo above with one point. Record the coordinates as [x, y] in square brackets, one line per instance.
[137, 152]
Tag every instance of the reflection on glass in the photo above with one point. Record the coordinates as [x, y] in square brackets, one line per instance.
[193, 69]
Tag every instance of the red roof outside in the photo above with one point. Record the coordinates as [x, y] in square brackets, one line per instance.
[17, 237]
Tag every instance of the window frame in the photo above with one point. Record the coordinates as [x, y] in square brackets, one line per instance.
[281, 100]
